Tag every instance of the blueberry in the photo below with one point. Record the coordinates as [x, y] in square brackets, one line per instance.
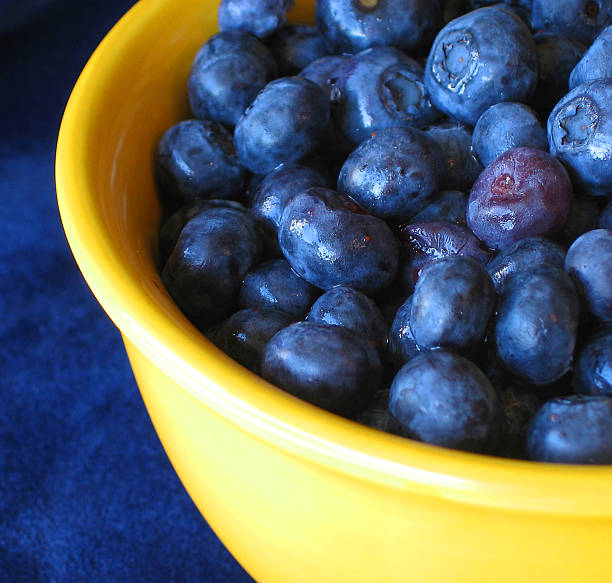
[536, 324]
[461, 168]
[171, 227]
[580, 133]
[350, 26]
[605, 221]
[523, 193]
[259, 17]
[596, 62]
[584, 216]
[448, 205]
[519, 405]
[381, 88]
[328, 366]
[227, 74]
[244, 335]
[581, 20]
[197, 159]
[283, 124]
[213, 253]
[593, 373]
[557, 56]
[484, 57]
[273, 284]
[429, 241]
[522, 256]
[295, 46]
[274, 192]
[444, 399]
[330, 242]
[393, 175]
[451, 305]
[504, 126]
[572, 430]
[402, 346]
[589, 263]
[347, 307]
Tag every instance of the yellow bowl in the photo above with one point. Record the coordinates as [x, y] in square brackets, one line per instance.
[297, 494]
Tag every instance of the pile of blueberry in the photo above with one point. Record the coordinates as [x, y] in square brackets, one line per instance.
[370, 214]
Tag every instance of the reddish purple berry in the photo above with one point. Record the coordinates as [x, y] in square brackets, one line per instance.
[522, 193]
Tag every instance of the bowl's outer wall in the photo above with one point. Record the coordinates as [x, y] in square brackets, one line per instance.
[289, 520]
[296, 494]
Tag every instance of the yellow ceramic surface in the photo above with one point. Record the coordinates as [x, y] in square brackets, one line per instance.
[298, 495]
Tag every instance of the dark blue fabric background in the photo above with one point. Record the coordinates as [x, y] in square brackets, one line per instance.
[86, 491]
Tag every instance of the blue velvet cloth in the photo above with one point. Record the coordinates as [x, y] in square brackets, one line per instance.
[87, 493]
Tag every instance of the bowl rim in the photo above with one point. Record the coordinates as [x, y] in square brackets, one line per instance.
[250, 402]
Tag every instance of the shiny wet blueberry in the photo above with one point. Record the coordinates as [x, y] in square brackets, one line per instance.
[536, 324]
[580, 133]
[451, 305]
[523, 256]
[284, 124]
[273, 284]
[444, 399]
[381, 88]
[484, 57]
[329, 241]
[328, 366]
[393, 175]
[197, 159]
[523, 193]
[504, 126]
[213, 253]
[227, 74]
[258, 17]
[273, 192]
[347, 307]
[572, 430]
[244, 335]
[172, 226]
[350, 26]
